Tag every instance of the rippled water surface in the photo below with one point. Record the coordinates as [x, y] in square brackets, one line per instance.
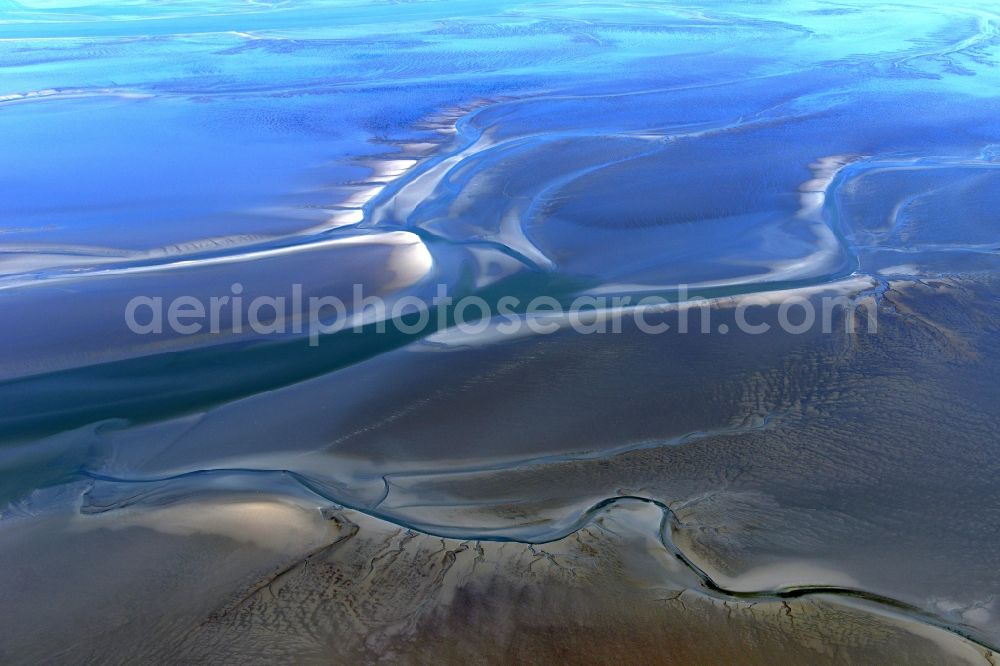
[463, 494]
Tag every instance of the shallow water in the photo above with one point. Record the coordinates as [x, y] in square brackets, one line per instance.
[296, 149]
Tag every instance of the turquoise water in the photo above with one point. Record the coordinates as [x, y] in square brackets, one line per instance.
[530, 149]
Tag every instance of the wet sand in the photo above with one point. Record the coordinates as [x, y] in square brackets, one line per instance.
[235, 496]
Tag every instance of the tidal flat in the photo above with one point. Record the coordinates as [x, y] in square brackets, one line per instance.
[769, 436]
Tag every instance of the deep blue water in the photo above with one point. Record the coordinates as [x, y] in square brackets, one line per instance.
[531, 149]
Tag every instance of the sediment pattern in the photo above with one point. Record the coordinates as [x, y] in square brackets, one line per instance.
[472, 495]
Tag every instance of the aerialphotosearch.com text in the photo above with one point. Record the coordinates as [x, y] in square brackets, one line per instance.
[318, 316]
